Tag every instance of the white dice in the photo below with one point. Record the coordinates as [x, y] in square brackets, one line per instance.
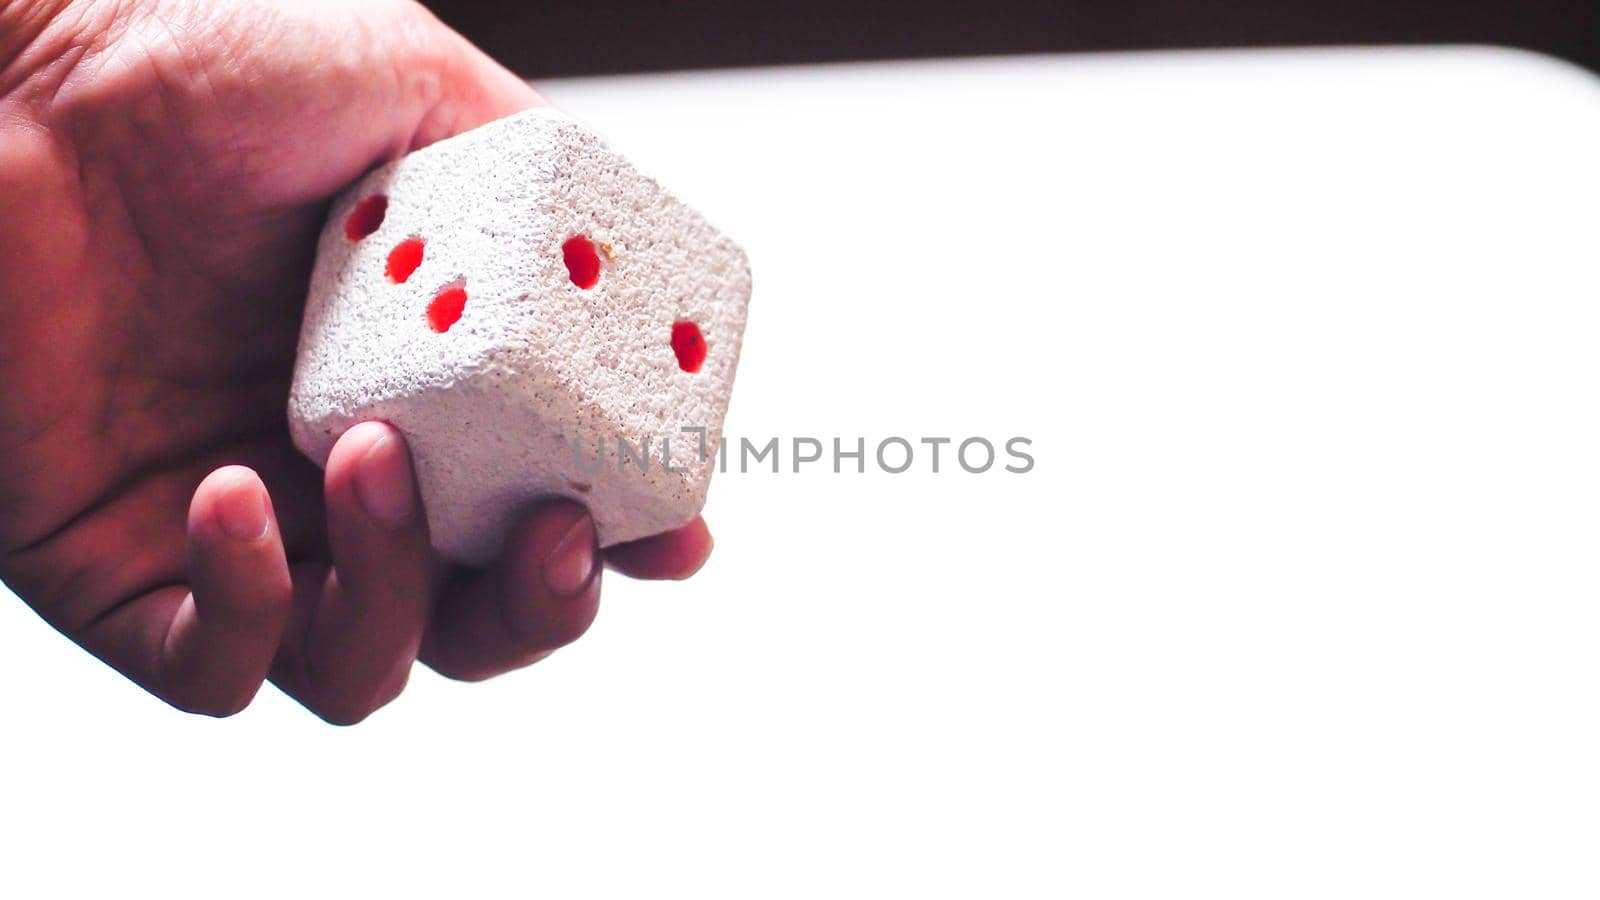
[538, 318]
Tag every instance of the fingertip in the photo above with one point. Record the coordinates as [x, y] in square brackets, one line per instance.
[670, 556]
[691, 548]
[236, 558]
[233, 502]
[371, 465]
[344, 460]
[358, 437]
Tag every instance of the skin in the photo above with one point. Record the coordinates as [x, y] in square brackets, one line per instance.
[164, 170]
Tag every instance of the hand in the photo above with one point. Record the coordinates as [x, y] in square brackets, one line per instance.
[164, 171]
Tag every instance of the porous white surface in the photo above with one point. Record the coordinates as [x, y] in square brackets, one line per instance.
[493, 407]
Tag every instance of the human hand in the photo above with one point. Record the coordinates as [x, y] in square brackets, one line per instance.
[164, 170]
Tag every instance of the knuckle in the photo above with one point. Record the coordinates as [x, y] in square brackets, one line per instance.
[466, 671]
[473, 670]
[343, 714]
[218, 704]
[346, 708]
[564, 630]
[541, 629]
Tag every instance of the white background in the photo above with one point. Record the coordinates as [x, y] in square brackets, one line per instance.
[1302, 598]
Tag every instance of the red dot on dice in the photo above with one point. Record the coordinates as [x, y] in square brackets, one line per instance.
[403, 260]
[689, 344]
[366, 217]
[583, 261]
[445, 308]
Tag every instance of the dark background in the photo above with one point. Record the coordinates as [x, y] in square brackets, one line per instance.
[544, 39]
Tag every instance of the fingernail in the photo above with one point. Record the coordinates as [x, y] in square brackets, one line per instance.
[383, 483]
[242, 510]
[571, 564]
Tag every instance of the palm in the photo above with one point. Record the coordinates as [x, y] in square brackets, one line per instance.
[154, 294]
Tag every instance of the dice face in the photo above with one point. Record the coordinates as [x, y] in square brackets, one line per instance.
[538, 318]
